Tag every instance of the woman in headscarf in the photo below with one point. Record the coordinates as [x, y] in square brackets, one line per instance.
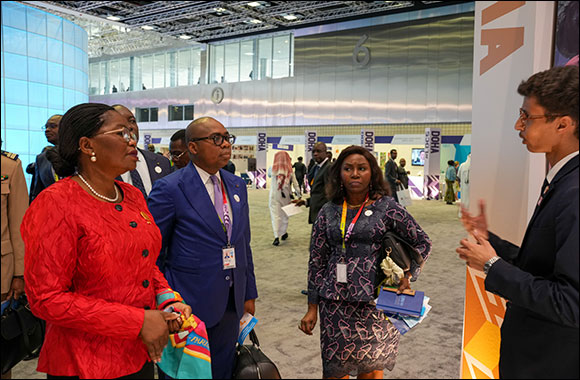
[280, 190]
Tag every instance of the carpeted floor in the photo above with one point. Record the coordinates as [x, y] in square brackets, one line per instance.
[430, 350]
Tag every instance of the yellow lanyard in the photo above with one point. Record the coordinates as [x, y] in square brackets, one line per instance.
[346, 233]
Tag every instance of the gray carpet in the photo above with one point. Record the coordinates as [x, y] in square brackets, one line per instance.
[430, 350]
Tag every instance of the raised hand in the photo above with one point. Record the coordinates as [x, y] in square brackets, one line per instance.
[475, 223]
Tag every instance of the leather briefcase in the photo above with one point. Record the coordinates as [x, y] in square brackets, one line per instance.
[252, 363]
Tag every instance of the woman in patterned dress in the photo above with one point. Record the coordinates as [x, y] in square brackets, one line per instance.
[356, 338]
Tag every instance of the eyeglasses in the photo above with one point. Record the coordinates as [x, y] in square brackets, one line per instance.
[524, 116]
[217, 139]
[125, 133]
[176, 156]
[49, 126]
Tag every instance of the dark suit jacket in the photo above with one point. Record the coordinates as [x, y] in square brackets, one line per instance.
[193, 238]
[540, 281]
[154, 160]
[43, 176]
[318, 192]
[391, 173]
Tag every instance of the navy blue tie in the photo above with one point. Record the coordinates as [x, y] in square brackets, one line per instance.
[138, 182]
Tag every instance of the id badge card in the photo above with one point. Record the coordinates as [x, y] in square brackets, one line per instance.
[229, 257]
[341, 273]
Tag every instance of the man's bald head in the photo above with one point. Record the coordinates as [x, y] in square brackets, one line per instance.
[204, 152]
[199, 127]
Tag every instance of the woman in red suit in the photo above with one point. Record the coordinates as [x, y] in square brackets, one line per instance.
[91, 246]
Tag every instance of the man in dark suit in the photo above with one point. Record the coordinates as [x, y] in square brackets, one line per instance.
[202, 212]
[150, 166]
[317, 178]
[43, 175]
[539, 334]
[300, 172]
[392, 173]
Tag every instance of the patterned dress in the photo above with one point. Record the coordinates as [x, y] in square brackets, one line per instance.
[355, 337]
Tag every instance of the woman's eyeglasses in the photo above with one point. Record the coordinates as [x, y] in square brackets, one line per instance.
[125, 133]
[217, 139]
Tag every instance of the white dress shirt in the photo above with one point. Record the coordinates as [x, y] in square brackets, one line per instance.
[143, 171]
[559, 165]
[205, 178]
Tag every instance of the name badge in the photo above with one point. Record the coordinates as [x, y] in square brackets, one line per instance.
[229, 257]
[341, 273]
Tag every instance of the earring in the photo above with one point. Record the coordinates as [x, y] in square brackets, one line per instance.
[341, 187]
[93, 157]
[371, 187]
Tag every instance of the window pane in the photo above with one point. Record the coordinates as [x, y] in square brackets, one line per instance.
[216, 64]
[142, 115]
[171, 69]
[54, 48]
[135, 74]
[232, 59]
[14, 15]
[94, 78]
[54, 27]
[37, 94]
[37, 70]
[16, 91]
[196, 66]
[159, 71]
[175, 113]
[104, 89]
[36, 21]
[281, 57]
[114, 75]
[68, 55]
[188, 113]
[265, 58]
[246, 60]
[124, 75]
[14, 40]
[153, 114]
[147, 72]
[183, 68]
[37, 46]
[15, 66]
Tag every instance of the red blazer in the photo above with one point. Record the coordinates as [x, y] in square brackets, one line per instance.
[90, 273]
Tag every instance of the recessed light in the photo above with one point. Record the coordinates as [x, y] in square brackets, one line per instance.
[185, 37]
[254, 4]
[113, 18]
[220, 10]
[255, 21]
[147, 27]
[290, 17]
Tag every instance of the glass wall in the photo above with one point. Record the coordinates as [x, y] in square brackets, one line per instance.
[167, 69]
[44, 72]
[251, 59]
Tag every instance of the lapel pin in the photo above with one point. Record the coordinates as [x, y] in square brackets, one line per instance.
[368, 212]
[237, 198]
[146, 217]
[158, 169]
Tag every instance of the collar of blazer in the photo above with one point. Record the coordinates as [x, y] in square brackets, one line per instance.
[197, 196]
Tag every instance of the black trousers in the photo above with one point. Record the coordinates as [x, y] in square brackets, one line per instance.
[147, 372]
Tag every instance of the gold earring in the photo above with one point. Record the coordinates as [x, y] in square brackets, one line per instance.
[93, 157]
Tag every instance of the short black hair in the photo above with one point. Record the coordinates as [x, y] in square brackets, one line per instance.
[450, 162]
[179, 135]
[393, 150]
[300, 158]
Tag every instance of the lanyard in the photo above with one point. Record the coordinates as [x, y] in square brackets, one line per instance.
[226, 220]
[351, 225]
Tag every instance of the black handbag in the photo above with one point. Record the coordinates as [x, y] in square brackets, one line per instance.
[401, 252]
[252, 363]
[22, 333]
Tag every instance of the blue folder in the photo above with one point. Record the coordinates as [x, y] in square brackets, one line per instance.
[402, 304]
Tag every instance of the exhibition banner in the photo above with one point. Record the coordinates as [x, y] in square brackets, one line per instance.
[310, 139]
[261, 160]
[432, 164]
[367, 139]
[512, 40]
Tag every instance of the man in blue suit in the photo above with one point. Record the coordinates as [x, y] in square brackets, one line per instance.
[202, 212]
[43, 175]
[539, 334]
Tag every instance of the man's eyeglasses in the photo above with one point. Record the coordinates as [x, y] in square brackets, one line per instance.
[217, 139]
[525, 116]
[176, 155]
[49, 126]
[125, 133]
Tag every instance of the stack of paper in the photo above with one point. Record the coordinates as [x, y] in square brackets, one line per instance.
[404, 311]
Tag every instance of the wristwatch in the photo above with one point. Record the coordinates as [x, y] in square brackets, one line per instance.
[489, 263]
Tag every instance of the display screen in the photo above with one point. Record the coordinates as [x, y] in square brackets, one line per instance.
[418, 157]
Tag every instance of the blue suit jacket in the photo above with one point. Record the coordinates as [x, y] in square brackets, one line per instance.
[193, 238]
[539, 335]
[42, 177]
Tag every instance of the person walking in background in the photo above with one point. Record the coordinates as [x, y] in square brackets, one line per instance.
[450, 178]
[44, 175]
[540, 278]
[178, 149]
[356, 338]
[280, 194]
[202, 212]
[91, 246]
[463, 178]
[392, 173]
[300, 173]
[403, 173]
[150, 166]
[14, 205]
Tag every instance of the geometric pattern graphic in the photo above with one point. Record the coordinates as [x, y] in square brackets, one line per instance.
[416, 188]
[431, 188]
[259, 178]
[483, 317]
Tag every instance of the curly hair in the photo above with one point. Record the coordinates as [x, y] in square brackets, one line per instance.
[334, 189]
[556, 90]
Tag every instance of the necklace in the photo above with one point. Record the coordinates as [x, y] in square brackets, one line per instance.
[99, 195]
[355, 205]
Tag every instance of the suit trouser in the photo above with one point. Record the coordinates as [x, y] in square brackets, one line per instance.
[222, 341]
